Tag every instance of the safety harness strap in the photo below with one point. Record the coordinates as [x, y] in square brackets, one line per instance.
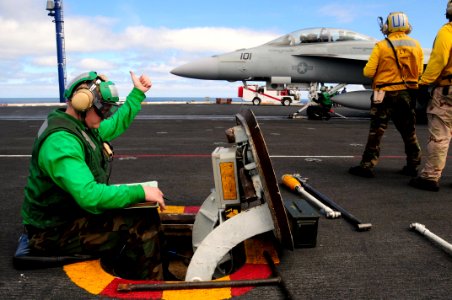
[395, 83]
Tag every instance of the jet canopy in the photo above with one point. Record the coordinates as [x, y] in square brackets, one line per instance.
[319, 35]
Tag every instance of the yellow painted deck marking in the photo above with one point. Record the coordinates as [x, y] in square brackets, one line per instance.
[89, 275]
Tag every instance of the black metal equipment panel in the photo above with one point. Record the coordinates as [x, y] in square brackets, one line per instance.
[272, 193]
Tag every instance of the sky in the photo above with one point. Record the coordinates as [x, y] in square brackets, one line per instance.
[153, 37]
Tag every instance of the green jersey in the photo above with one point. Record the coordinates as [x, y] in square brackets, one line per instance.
[69, 170]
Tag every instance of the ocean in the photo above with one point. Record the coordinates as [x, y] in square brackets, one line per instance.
[149, 99]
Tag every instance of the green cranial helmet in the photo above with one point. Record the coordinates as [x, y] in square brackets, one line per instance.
[107, 89]
[84, 77]
[100, 94]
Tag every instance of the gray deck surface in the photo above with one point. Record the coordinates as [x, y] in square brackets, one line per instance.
[172, 144]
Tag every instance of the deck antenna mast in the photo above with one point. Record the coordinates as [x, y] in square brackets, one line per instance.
[55, 8]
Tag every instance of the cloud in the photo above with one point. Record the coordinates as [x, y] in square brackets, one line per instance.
[28, 48]
[94, 35]
[25, 38]
[45, 61]
[23, 10]
[29, 31]
[96, 64]
[196, 39]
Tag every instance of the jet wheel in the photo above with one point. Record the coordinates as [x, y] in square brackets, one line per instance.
[256, 101]
[286, 101]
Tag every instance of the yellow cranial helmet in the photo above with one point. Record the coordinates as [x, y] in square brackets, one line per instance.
[396, 22]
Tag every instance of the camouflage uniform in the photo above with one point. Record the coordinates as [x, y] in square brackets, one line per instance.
[128, 240]
[440, 129]
[439, 109]
[398, 106]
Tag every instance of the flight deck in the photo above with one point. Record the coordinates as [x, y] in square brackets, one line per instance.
[173, 143]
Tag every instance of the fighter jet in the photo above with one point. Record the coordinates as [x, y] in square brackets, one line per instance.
[301, 59]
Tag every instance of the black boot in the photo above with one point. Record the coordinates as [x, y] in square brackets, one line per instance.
[361, 171]
[424, 184]
[408, 171]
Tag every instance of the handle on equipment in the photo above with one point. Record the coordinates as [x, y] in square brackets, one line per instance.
[291, 182]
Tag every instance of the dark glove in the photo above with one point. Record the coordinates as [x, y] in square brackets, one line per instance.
[423, 96]
[422, 99]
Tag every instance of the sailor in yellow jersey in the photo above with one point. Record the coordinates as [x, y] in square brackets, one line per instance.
[439, 109]
[395, 65]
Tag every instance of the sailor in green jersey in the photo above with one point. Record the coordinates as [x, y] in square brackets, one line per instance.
[69, 207]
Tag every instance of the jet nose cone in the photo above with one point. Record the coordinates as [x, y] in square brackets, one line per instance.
[206, 68]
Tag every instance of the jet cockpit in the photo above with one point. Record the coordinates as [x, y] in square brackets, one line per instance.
[319, 35]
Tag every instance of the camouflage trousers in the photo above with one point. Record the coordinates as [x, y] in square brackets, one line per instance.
[439, 112]
[128, 241]
[397, 106]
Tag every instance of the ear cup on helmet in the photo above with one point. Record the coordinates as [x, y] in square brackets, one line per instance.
[82, 100]
[409, 30]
